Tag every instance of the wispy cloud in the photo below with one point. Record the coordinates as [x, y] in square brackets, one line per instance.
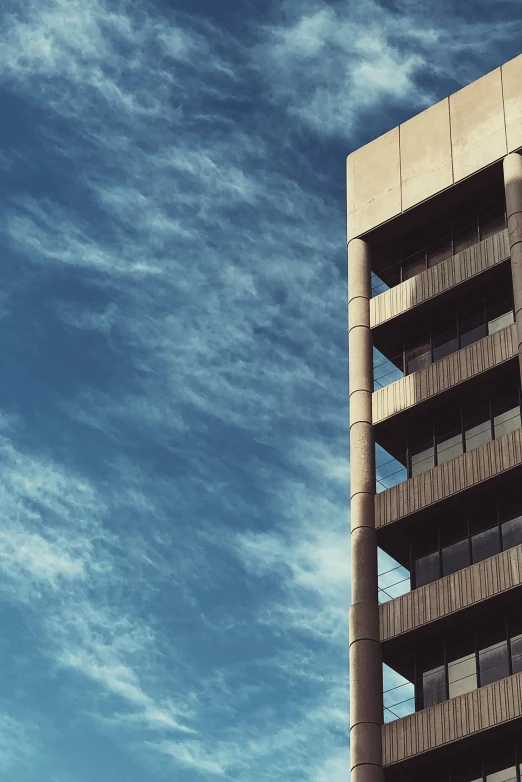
[180, 540]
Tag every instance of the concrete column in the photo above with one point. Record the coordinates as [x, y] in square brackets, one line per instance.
[513, 186]
[365, 650]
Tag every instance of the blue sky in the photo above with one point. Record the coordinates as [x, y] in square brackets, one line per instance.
[174, 546]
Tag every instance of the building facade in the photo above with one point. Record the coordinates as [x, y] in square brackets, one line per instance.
[435, 342]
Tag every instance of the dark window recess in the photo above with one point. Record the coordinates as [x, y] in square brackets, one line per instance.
[447, 438]
[454, 547]
[468, 325]
[454, 666]
[447, 240]
[496, 527]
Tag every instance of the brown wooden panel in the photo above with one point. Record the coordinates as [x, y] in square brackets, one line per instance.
[440, 278]
[448, 479]
[442, 375]
[452, 720]
[452, 593]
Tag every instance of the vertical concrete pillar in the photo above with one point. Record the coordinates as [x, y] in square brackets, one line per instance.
[365, 650]
[513, 186]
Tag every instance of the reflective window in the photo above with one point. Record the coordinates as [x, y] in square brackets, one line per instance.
[472, 330]
[440, 251]
[462, 671]
[485, 537]
[492, 223]
[507, 420]
[493, 654]
[418, 357]
[413, 265]
[445, 342]
[465, 237]
[511, 532]
[499, 322]
[470, 770]
[455, 547]
[500, 765]
[433, 686]
[515, 634]
[477, 425]
[427, 569]
[422, 452]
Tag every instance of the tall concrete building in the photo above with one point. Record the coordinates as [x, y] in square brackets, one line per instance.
[435, 341]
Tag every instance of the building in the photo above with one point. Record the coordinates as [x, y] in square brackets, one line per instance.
[435, 292]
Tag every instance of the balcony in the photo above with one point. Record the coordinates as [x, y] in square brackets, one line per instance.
[464, 716]
[416, 495]
[443, 598]
[438, 279]
[444, 374]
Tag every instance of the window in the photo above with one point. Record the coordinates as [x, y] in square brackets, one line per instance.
[426, 560]
[485, 538]
[465, 237]
[515, 640]
[433, 678]
[507, 420]
[449, 439]
[455, 547]
[445, 340]
[493, 654]
[440, 251]
[472, 323]
[418, 357]
[499, 766]
[492, 223]
[414, 264]
[422, 451]
[511, 532]
[500, 317]
[462, 667]
[477, 425]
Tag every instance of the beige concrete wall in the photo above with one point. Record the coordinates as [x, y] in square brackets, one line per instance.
[438, 279]
[444, 374]
[447, 142]
[452, 720]
[449, 479]
[450, 594]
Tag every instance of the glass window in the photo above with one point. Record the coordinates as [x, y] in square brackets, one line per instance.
[462, 667]
[426, 559]
[469, 770]
[445, 341]
[465, 237]
[440, 251]
[449, 439]
[455, 547]
[500, 322]
[477, 425]
[433, 686]
[431, 663]
[500, 765]
[427, 569]
[515, 636]
[418, 357]
[511, 532]
[472, 325]
[507, 420]
[485, 537]
[414, 264]
[493, 654]
[422, 452]
[492, 223]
